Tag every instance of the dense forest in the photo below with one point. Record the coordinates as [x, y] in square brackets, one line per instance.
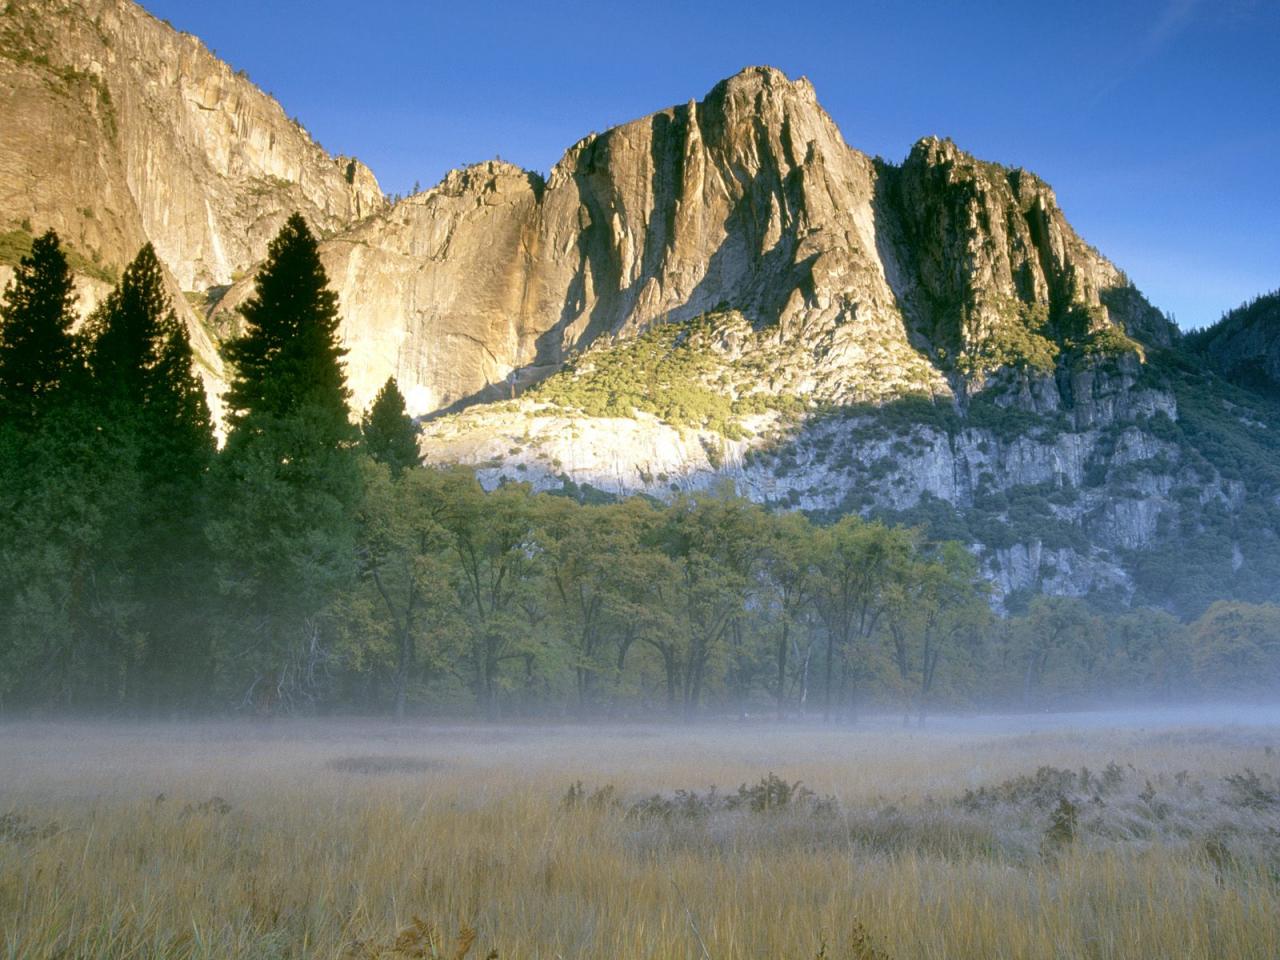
[313, 564]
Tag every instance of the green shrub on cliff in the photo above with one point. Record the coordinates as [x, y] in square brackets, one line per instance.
[670, 371]
[1015, 340]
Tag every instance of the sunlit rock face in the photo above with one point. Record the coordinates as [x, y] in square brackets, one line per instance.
[748, 199]
[118, 130]
[1057, 502]
[121, 130]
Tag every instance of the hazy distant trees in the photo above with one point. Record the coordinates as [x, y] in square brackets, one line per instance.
[316, 564]
[498, 564]
[399, 618]
[791, 579]
[1237, 648]
[937, 607]
[1054, 627]
[856, 563]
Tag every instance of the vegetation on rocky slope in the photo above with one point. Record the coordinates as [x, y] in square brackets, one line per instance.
[16, 244]
[1159, 476]
[678, 373]
[1244, 346]
[1213, 549]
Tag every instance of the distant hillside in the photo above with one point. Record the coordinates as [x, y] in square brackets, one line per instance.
[1244, 346]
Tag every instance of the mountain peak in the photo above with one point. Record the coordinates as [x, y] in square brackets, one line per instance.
[888, 279]
[748, 199]
[764, 77]
[723, 269]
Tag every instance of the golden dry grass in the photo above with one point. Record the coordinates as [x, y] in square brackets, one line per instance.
[354, 840]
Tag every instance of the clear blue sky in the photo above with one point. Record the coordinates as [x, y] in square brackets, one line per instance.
[1158, 123]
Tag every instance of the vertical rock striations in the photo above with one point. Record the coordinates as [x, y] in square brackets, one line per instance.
[891, 277]
[119, 130]
[722, 289]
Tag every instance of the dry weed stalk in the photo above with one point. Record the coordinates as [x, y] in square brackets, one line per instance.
[422, 940]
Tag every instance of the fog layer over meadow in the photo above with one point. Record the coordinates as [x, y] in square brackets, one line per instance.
[132, 756]
[1152, 832]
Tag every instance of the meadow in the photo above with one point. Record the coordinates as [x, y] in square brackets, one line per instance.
[353, 840]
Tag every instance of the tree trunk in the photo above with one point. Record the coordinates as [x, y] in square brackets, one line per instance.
[804, 677]
[623, 647]
[782, 666]
[403, 665]
[489, 684]
[826, 697]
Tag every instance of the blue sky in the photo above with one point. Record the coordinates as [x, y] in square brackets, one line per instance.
[1158, 123]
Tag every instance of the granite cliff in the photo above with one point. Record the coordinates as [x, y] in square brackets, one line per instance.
[723, 290]
[893, 278]
[119, 130]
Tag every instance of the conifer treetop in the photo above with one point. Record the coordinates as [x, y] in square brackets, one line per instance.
[390, 435]
[37, 348]
[289, 355]
[128, 327]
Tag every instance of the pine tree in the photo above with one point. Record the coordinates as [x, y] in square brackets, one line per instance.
[288, 481]
[153, 417]
[141, 357]
[174, 561]
[50, 504]
[144, 379]
[37, 348]
[123, 332]
[390, 435]
[177, 402]
[289, 357]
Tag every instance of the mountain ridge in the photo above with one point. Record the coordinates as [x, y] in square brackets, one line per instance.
[749, 198]
[723, 290]
[1244, 346]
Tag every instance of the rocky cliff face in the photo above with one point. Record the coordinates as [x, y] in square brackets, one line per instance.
[1094, 478]
[118, 130]
[985, 362]
[748, 199]
[893, 278]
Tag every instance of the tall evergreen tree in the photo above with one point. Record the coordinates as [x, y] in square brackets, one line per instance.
[390, 435]
[288, 481]
[37, 348]
[144, 375]
[50, 504]
[143, 370]
[289, 357]
[153, 416]
[124, 332]
[104, 540]
[177, 404]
